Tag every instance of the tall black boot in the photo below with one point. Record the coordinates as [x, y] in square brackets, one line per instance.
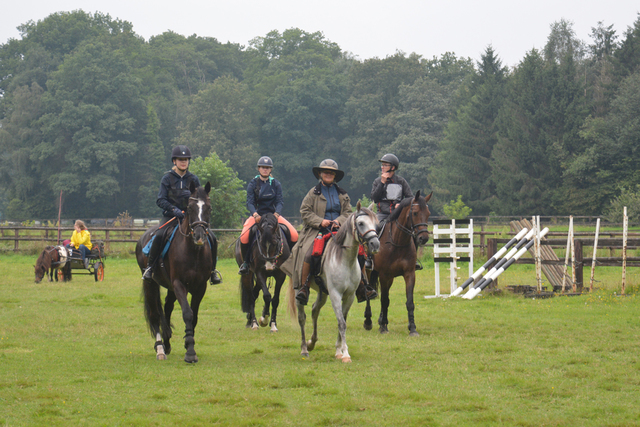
[216, 277]
[154, 252]
[302, 294]
[244, 251]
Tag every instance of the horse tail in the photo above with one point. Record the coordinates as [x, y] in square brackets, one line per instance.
[291, 301]
[246, 293]
[153, 311]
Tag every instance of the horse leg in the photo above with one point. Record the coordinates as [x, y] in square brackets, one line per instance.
[169, 303]
[410, 281]
[153, 314]
[187, 317]
[315, 312]
[368, 324]
[384, 306]
[275, 302]
[341, 306]
[266, 296]
[302, 317]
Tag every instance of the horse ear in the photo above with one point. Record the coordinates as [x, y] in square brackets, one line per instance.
[417, 195]
[358, 205]
[428, 197]
[192, 187]
[207, 187]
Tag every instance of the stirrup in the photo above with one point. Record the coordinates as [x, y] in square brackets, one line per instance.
[244, 268]
[302, 294]
[216, 277]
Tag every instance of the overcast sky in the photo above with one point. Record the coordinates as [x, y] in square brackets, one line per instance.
[367, 29]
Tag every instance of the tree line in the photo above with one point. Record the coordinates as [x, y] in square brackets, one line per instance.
[91, 110]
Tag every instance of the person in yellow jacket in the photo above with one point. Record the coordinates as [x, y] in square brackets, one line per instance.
[81, 240]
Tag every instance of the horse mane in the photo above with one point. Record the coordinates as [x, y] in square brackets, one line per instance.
[403, 204]
[345, 230]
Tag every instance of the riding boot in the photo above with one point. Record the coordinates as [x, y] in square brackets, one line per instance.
[244, 251]
[302, 294]
[216, 277]
[365, 292]
[154, 252]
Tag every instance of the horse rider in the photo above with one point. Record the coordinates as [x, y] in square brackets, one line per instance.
[325, 207]
[387, 192]
[264, 195]
[173, 199]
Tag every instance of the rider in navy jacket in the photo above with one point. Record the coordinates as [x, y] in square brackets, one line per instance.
[173, 199]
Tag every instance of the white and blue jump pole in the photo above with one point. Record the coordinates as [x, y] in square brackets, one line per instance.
[498, 270]
[491, 260]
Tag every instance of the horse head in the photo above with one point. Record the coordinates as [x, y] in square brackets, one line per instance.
[365, 222]
[198, 213]
[418, 216]
[40, 271]
[271, 243]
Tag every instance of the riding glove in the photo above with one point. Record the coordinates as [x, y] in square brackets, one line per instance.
[178, 214]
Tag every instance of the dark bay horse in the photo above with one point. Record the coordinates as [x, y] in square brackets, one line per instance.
[341, 274]
[184, 270]
[51, 259]
[268, 253]
[406, 225]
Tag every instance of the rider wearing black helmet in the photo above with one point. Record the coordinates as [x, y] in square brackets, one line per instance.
[264, 194]
[388, 191]
[173, 198]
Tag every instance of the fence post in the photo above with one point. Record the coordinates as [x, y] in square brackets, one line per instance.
[106, 238]
[579, 265]
[15, 245]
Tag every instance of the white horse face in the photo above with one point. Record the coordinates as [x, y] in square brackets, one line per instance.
[365, 224]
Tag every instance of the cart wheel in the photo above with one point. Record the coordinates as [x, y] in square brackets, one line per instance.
[98, 271]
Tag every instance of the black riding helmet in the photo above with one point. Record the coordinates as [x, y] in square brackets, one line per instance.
[391, 159]
[180, 151]
[265, 161]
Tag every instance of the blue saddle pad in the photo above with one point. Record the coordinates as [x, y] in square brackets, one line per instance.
[147, 247]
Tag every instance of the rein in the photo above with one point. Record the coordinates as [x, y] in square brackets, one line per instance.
[409, 231]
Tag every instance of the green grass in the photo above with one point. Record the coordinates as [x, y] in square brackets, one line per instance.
[79, 353]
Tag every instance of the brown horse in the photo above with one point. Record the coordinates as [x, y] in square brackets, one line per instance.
[186, 269]
[49, 261]
[267, 255]
[406, 226]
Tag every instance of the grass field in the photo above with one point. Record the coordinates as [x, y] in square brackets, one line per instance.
[79, 354]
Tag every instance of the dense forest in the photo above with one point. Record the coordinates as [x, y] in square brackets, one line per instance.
[91, 110]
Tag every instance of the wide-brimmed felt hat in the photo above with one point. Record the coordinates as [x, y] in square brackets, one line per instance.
[328, 165]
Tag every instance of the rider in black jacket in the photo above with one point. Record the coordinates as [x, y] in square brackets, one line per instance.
[173, 198]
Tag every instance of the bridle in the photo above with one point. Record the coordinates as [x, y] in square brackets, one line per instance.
[362, 237]
[280, 245]
[411, 229]
[191, 226]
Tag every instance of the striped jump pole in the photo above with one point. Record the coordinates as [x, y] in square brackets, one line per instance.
[490, 277]
[507, 257]
[491, 260]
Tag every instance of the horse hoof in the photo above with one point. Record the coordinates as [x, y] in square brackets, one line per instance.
[273, 328]
[414, 334]
[346, 359]
[368, 325]
[338, 355]
[384, 331]
[264, 321]
[255, 326]
[304, 355]
[191, 359]
[161, 357]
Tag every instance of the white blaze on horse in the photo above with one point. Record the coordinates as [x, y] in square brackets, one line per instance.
[341, 274]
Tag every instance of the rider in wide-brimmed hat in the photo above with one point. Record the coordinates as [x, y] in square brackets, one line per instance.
[325, 207]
